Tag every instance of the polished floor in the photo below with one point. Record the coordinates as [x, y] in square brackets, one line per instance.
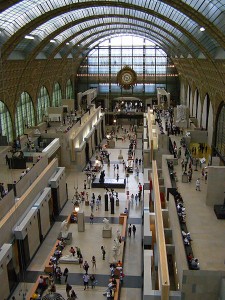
[206, 230]
[91, 239]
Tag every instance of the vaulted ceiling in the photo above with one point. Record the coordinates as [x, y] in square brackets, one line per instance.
[67, 28]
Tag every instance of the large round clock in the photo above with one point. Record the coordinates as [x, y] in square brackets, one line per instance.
[126, 77]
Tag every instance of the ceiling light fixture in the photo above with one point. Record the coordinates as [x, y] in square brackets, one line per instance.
[202, 29]
[67, 43]
[52, 41]
[29, 37]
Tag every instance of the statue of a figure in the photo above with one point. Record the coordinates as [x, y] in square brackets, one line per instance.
[63, 229]
[118, 234]
[116, 249]
[106, 223]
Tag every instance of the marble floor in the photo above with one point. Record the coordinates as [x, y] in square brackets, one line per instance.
[206, 230]
[91, 239]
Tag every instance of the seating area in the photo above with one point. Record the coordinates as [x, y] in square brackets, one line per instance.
[38, 289]
[192, 261]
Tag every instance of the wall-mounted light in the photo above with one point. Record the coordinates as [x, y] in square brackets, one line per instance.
[202, 29]
[29, 37]
[52, 41]
[67, 43]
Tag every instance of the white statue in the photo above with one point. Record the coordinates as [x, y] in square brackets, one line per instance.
[116, 249]
[118, 234]
[106, 223]
[63, 229]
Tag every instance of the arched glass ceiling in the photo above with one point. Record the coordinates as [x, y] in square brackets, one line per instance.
[105, 41]
[65, 35]
[213, 10]
[54, 24]
[17, 16]
[23, 12]
[116, 29]
[100, 31]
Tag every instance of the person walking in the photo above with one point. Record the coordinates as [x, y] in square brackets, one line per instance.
[103, 252]
[132, 198]
[134, 230]
[86, 266]
[92, 278]
[93, 260]
[129, 230]
[65, 274]
[91, 218]
[68, 289]
[197, 185]
[136, 198]
[92, 206]
[85, 184]
[85, 280]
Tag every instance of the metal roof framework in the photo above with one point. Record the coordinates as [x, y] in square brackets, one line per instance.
[58, 27]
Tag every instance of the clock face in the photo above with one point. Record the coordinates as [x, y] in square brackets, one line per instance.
[126, 78]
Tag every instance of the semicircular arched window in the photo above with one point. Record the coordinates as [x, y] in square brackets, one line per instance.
[42, 104]
[69, 90]
[220, 134]
[57, 95]
[24, 113]
[5, 122]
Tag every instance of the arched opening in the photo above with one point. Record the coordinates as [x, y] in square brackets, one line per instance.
[220, 131]
[57, 95]
[69, 90]
[205, 112]
[24, 113]
[42, 104]
[6, 131]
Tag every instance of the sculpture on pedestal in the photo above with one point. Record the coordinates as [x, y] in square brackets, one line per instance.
[116, 249]
[64, 229]
[106, 223]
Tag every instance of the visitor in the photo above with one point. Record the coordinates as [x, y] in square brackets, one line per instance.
[134, 230]
[93, 260]
[86, 280]
[103, 252]
[197, 184]
[91, 218]
[129, 230]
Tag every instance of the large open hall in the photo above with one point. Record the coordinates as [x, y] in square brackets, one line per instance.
[112, 150]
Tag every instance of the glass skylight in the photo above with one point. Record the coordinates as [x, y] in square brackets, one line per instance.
[169, 23]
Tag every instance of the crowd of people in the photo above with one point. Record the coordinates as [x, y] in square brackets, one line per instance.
[192, 261]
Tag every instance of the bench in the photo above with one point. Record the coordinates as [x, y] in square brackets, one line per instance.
[117, 290]
[67, 240]
[35, 288]
[49, 267]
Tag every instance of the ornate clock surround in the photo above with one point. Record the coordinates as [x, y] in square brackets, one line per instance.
[126, 77]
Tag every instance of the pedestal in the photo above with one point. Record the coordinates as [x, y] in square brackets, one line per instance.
[111, 144]
[80, 222]
[107, 233]
[185, 178]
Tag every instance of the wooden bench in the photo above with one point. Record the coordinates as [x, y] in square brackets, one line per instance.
[67, 240]
[117, 290]
[35, 289]
[49, 267]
